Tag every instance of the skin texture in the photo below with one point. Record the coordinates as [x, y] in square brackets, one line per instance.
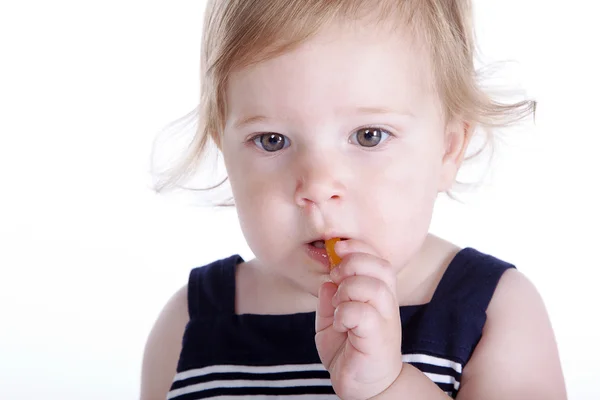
[322, 183]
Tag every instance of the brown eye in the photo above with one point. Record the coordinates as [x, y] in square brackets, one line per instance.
[271, 142]
[369, 137]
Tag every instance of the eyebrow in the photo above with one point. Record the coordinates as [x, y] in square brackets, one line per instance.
[249, 120]
[356, 110]
[379, 110]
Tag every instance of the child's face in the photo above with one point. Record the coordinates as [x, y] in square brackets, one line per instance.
[357, 142]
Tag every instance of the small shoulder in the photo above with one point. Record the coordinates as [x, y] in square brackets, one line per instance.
[511, 290]
[210, 289]
[161, 353]
[515, 295]
[471, 278]
[517, 356]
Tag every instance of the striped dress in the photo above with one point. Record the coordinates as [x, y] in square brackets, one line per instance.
[229, 356]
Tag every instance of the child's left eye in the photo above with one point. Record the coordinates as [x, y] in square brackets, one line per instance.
[369, 137]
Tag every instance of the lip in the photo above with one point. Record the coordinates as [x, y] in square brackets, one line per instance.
[319, 255]
[329, 236]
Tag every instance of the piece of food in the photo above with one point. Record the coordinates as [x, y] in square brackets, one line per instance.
[334, 259]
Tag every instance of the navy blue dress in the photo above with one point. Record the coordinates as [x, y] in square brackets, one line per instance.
[229, 356]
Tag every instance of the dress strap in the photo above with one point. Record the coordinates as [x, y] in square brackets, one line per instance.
[471, 279]
[211, 288]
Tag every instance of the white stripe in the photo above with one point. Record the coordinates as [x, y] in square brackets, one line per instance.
[431, 360]
[410, 358]
[437, 378]
[245, 383]
[272, 369]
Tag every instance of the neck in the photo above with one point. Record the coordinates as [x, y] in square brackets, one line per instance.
[418, 280]
[263, 292]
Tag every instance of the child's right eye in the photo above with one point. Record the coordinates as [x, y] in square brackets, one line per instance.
[271, 142]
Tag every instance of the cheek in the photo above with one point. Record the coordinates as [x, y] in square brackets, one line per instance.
[262, 208]
[400, 201]
[406, 198]
[255, 187]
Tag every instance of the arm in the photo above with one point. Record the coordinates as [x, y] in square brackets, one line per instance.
[516, 359]
[413, 384]
[163, 347]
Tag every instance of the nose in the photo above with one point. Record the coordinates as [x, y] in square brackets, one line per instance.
[319, 182]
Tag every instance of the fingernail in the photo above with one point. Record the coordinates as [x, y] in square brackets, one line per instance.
[340, 246]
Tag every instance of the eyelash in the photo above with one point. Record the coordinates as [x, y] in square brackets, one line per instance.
[253, 139]
[380, 128]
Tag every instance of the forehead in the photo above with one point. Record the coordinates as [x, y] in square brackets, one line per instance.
[343, 67]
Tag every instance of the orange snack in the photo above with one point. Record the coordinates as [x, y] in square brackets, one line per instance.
[334, 259]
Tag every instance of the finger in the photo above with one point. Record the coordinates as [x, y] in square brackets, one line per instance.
[368, 290]
[362, 324]
[363, 264]
[345, 247]
[325, 310]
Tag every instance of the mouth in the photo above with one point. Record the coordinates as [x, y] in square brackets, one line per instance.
[320, 244]
[317, 250]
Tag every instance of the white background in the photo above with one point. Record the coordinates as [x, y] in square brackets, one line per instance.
[89, 255]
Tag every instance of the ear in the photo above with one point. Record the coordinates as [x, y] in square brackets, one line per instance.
[456, 141]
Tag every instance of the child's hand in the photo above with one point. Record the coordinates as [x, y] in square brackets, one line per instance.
[359, 333]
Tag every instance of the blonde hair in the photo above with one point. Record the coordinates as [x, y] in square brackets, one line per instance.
[238, 33]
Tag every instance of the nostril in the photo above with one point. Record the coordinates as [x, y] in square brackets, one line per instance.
[303, 201]
[317, 189]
